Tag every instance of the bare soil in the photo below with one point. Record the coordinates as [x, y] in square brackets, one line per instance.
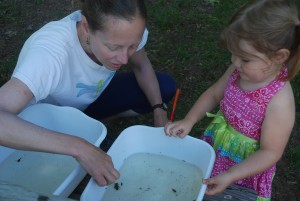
[25, 17]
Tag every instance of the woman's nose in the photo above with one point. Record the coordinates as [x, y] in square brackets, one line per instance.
[123, 58]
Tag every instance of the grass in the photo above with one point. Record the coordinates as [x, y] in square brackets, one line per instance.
[183, 41]
[7, 12]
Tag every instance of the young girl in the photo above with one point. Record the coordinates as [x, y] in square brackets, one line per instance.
[257, 109]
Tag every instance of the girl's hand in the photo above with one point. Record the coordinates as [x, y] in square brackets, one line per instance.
[217, 184]
[178, 129]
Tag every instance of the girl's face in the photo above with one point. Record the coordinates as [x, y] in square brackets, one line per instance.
[255, 68]
[120, 39]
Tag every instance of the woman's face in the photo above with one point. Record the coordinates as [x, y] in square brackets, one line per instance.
[118, 42]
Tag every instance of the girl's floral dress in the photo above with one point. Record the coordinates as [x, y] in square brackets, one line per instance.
[235, 130]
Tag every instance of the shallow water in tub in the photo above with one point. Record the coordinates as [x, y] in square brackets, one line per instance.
[40, 172]
[154, 177]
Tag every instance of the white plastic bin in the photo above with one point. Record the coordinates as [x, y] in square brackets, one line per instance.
[45, 172]
[144, 139]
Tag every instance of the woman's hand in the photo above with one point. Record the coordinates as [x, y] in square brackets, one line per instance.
[98, 164]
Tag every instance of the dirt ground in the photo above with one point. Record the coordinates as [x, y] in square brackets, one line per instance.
[18, 22]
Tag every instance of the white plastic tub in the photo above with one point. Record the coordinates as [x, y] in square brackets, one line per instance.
[152, 141]
[44, 172]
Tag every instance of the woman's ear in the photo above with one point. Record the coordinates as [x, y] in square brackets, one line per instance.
[281, 56]
[84, 24]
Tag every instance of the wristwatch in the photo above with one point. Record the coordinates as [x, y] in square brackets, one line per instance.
[161, 105]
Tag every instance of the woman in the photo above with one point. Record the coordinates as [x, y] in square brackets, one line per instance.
[70, 62]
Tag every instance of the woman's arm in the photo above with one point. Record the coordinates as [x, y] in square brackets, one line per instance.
[148, 82]
[20, 134]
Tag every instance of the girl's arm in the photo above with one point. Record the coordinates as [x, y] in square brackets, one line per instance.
[275, 133]
[205, 103]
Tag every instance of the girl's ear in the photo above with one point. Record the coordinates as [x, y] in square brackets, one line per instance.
[281, 56]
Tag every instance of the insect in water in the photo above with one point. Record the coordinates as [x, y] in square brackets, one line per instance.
[174, 190]
[42, 198]
[19, 160]
[117, 186]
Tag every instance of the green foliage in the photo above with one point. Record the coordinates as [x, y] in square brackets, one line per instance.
[296, 88]
[295, 157]
[6, 70]
[7, 12]
[39, 1]
[212, 2]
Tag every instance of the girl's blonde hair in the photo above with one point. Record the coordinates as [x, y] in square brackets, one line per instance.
[268, 25]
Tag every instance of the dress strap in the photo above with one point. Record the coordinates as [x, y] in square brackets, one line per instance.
[228, 141]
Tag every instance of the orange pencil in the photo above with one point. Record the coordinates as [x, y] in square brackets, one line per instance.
[174, 104]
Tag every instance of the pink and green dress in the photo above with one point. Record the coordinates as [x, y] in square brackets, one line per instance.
[235, 131]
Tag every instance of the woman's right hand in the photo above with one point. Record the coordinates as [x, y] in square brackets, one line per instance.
[98, 164]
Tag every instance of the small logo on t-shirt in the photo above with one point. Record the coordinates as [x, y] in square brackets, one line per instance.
[89, 89]
[84, 88]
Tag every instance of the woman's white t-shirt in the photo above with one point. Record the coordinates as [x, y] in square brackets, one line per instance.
[57, 70]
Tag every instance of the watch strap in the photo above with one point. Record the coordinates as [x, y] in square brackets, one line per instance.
[160, 105]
